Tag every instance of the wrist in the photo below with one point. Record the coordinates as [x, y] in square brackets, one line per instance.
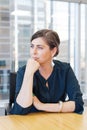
[40, 106]
[60, 106]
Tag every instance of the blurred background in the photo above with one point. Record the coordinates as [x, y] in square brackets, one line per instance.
[19, 19]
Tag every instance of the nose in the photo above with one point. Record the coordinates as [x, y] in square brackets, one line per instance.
[34, 50]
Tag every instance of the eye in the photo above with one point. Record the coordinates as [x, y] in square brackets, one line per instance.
[31, 45]
[39, 47]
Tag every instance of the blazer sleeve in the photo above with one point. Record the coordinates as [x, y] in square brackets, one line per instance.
[16, 108]
[73, 91]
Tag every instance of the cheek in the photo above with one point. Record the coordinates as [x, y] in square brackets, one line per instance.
[46, 55]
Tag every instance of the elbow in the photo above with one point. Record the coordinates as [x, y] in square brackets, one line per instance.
[19, 110]
[79, 108]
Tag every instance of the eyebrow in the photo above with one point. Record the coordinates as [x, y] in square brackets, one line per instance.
[37, 45]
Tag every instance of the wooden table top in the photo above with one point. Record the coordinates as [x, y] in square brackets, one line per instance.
[45, 121]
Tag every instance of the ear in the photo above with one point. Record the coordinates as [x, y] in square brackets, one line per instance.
[53, 51]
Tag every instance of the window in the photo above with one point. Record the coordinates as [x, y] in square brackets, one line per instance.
[67, 17]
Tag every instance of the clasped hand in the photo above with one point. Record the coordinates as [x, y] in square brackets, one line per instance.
[37, 103]
[32, 66]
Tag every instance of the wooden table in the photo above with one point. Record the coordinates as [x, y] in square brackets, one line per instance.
[45, 121]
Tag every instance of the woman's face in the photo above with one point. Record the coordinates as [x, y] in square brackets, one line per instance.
[40, 51]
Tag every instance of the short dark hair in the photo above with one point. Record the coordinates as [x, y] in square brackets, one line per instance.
[51, 37]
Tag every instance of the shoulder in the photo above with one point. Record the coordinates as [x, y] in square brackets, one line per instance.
[61, 65]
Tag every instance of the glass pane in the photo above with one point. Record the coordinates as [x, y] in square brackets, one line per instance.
[4, 49]
[59, 23]
[83, 49]
[20, 19]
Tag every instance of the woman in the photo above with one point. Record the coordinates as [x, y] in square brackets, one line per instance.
[43, 84]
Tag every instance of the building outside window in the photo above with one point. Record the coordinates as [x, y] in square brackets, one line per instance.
[20, 19]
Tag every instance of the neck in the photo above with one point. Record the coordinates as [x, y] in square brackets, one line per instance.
[46, 70]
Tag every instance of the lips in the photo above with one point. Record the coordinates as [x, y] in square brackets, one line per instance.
[35, 58]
